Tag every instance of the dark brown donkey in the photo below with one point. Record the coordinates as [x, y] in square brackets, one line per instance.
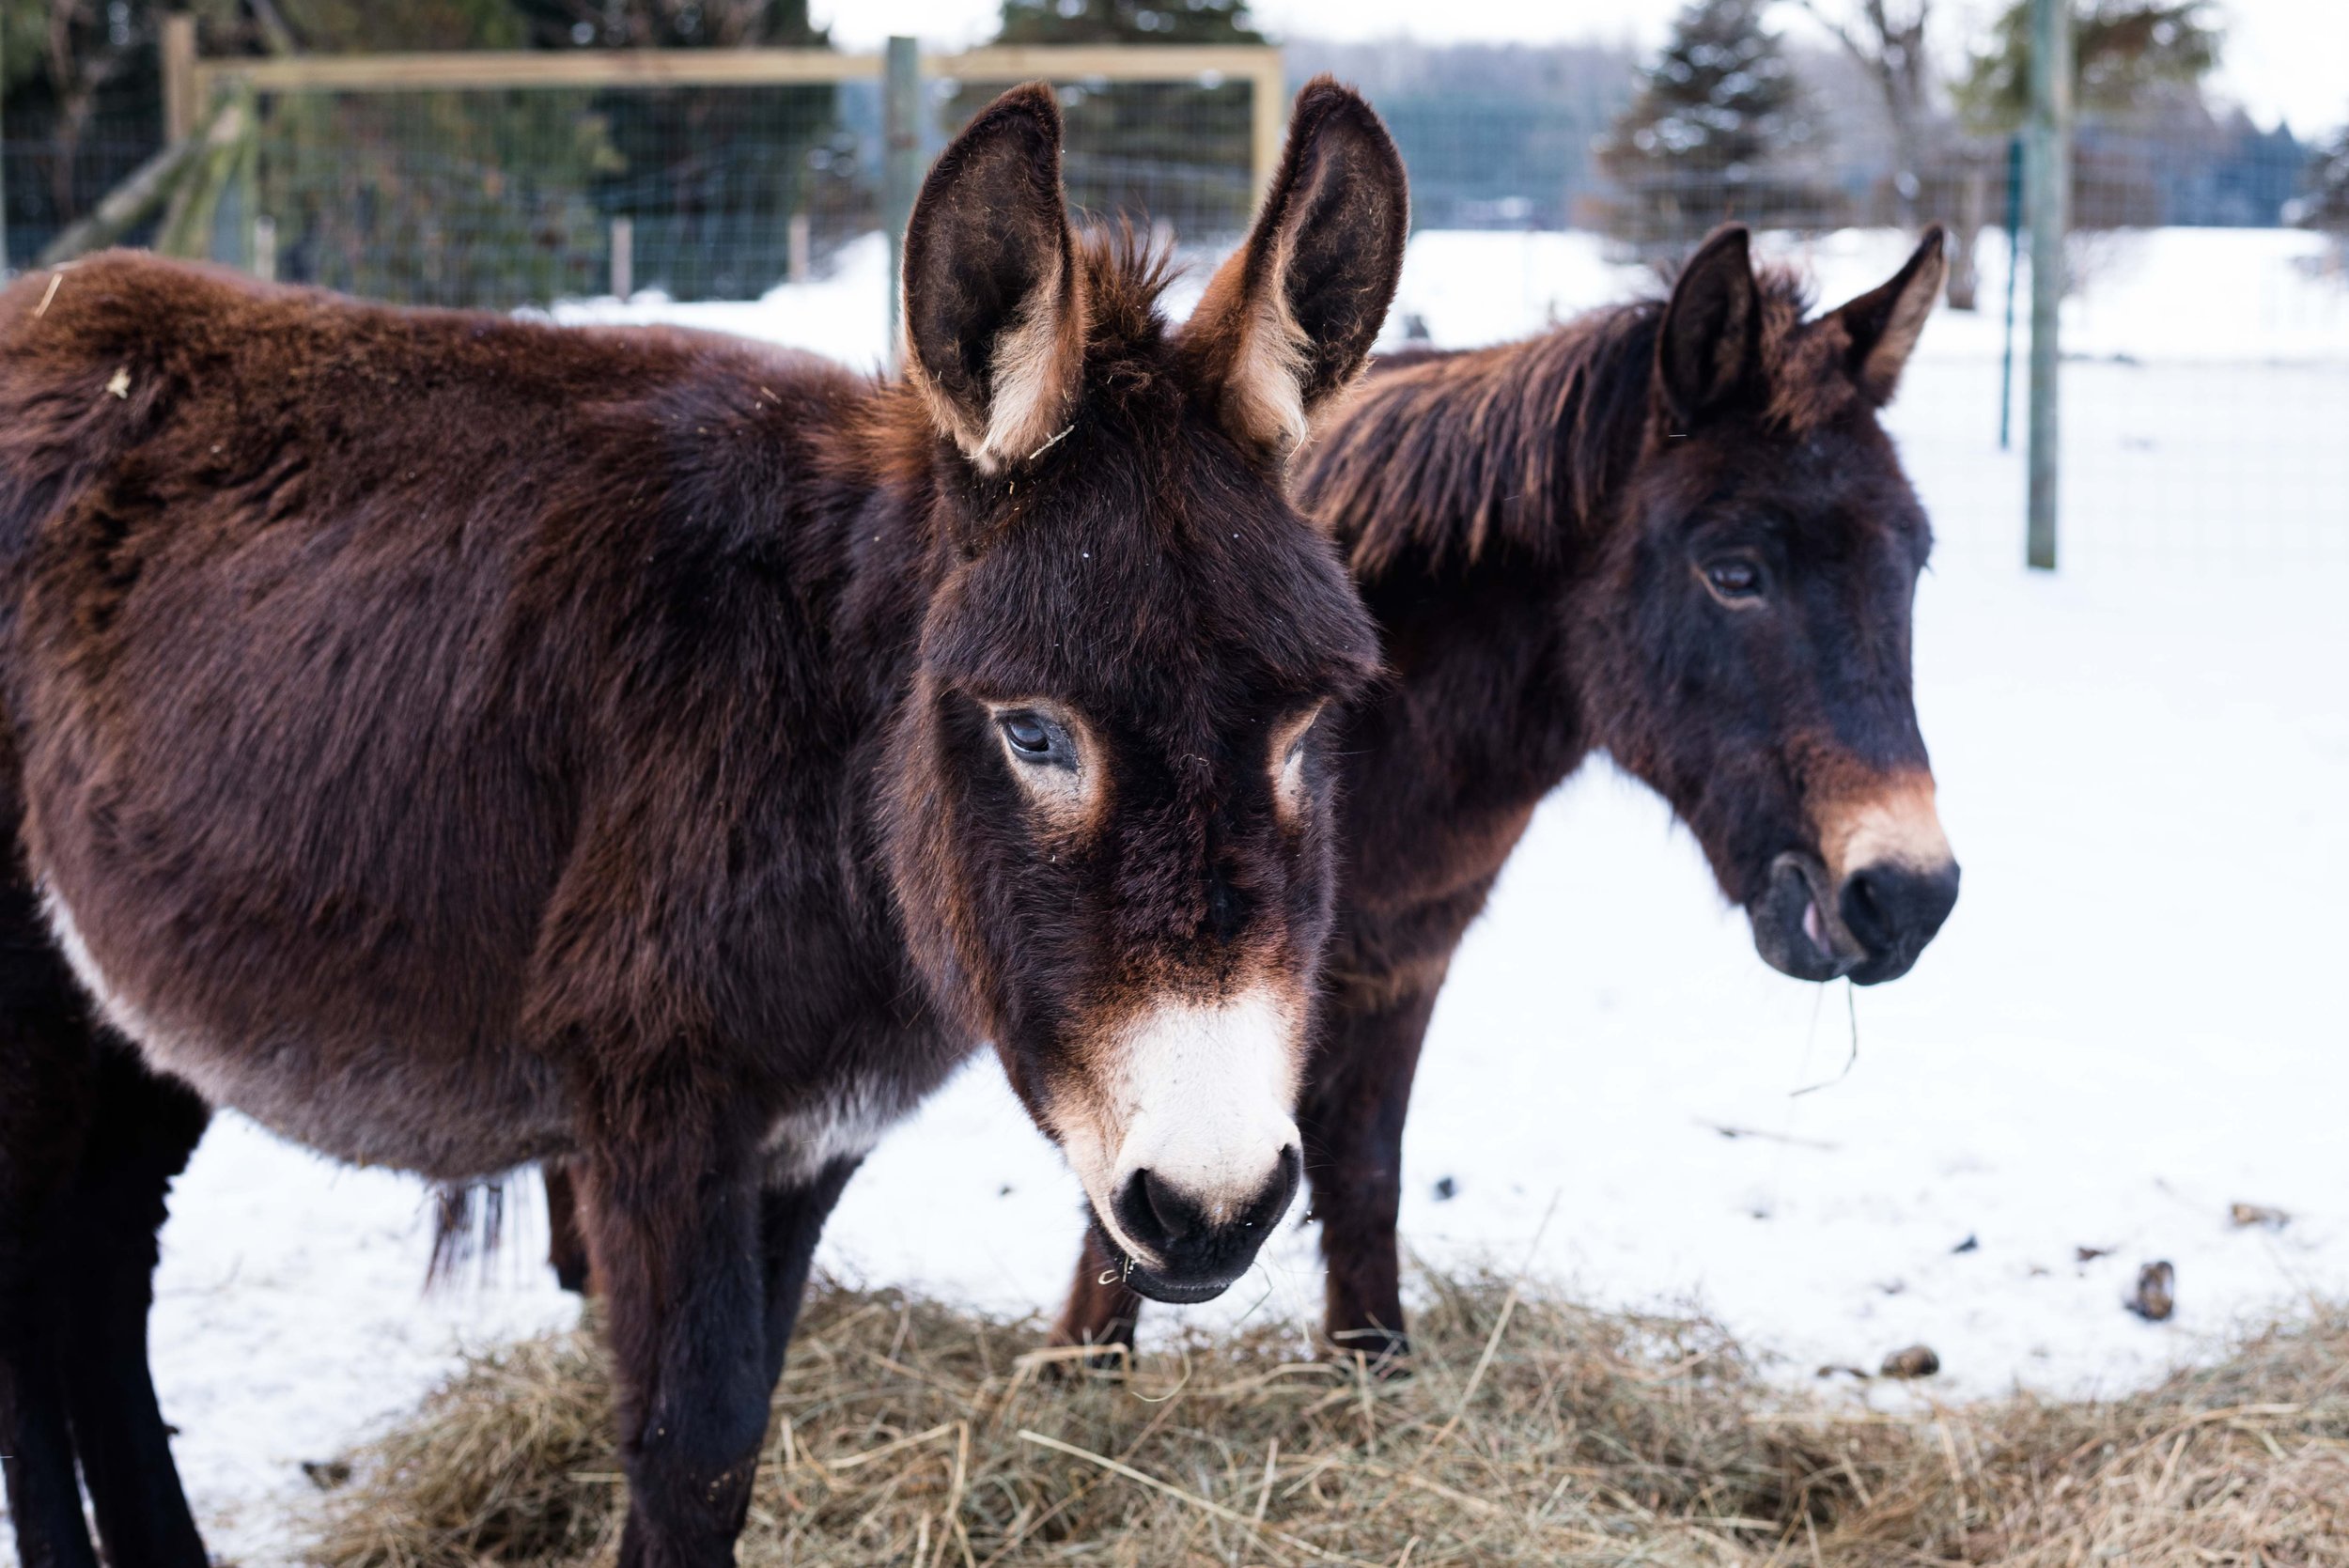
[458, 742]
[1672, 531]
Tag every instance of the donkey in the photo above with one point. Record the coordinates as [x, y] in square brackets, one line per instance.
[457, 742]
[1672, 531]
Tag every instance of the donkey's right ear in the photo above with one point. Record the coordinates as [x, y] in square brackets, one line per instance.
[1708, 351]
[994, 298]
[1287, 322]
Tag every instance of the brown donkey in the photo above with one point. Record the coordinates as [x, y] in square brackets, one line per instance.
[458, 742]
[1672, 531]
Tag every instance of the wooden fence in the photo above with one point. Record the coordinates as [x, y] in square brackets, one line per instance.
[190, 84]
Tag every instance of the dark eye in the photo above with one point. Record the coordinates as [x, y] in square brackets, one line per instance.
[1735, 579]
[1037, 740]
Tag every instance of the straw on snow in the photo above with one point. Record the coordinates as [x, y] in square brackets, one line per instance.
[913, 1432]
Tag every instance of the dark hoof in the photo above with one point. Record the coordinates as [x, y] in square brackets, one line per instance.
[1385, 1353]
[1067, 1359]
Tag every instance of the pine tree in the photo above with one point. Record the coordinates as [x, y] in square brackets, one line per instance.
[2124, 52]
[1715, 131]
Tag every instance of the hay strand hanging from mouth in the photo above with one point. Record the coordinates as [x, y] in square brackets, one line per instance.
[919, 1433]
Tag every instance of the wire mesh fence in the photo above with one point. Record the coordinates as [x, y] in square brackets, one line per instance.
[2205, 326]
[2206, 338]
[509, 197]
[1173, 156]
[522, 181]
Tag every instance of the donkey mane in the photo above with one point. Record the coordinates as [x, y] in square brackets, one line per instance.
[1448, 455]
[1125, 275]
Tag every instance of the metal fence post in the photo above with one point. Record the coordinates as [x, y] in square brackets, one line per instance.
[901, 168]
[2014, 266]
[4, 176]
[2049, 173]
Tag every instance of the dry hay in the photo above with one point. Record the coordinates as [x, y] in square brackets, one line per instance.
[1532, 1432]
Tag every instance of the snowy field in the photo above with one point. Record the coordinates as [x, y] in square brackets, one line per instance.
[2133, 1021]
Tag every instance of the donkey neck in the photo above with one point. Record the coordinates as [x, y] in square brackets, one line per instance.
[1472, 492]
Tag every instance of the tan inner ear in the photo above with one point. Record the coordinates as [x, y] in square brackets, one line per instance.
[1903, 327]
[1267, 384]
[1032, 377]
[1288, 760]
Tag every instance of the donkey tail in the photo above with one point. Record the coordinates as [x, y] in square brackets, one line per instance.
[469, 1226]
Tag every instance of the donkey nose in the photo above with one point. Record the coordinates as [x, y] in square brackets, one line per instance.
[1160, 1216]
[1200, 1251]
[1893, 910]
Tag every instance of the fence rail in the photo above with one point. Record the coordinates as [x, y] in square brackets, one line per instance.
[191, 83]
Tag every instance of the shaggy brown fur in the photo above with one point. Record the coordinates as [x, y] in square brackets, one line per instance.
[457, 742]
[1673, 531]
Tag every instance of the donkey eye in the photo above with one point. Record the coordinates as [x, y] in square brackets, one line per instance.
[1037, 741]
[1733, 580]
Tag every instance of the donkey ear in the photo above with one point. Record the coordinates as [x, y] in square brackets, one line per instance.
[1286, 323]
[1883, 324]
[994, 301]
[1708, 351]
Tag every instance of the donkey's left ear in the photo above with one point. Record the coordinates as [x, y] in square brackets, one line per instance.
[1883, 324]
[994, 301]
[1288, 322]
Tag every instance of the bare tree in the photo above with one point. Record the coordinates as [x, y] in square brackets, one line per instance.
[1886, 37]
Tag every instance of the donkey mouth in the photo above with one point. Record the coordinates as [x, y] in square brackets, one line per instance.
[1796, 929]
[1152, 1283]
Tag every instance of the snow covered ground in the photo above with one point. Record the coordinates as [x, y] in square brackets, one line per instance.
[2133, 1021]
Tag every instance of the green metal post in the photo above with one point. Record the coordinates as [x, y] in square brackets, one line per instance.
[2013, 267]
[3, 178]
[901, 169]
[2048, 169]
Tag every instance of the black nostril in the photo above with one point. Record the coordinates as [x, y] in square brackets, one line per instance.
[1155, 1214]
[1862, 908]
[1176, 1215]
[1895, 907]
[1266, 1211]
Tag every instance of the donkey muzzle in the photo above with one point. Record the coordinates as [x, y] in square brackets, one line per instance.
[1209, 1157]
[1871, 926]
[1197, 1248]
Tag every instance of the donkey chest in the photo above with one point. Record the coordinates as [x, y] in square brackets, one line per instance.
[875, 1065]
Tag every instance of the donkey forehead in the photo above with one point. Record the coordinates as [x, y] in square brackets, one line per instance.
[1232, 607]
[1835, 491]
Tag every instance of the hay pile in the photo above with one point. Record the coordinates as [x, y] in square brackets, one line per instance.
[908, 1432]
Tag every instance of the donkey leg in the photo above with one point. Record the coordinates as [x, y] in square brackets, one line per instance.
[791, 1220]
[1100, 1311]
[48, 1076]
[1355, 1103]
[567, 1242]
[145, 1129]
[674, 1219]
[36, 1444]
